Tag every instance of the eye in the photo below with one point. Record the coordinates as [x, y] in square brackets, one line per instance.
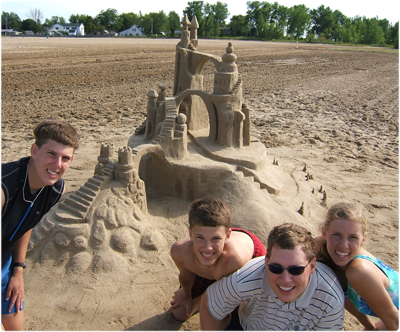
[66, 158]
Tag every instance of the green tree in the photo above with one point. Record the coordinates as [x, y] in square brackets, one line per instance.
[108, 19]
[91, 25]
[210, 26]
[324, 21]
[239, 25]
[54, 20]
[394, 35]
[10, 21]
[299, 20]
[374, 34]
[127, 20]
[30, 24]
[173, 23]
[157, 21]
[196, 8]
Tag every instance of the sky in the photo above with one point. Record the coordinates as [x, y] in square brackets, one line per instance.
[389, 9]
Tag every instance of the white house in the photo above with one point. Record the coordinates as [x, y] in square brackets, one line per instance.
[73, 29]
[135, 30]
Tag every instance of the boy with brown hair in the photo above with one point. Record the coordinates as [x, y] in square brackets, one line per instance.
[29, 188]
[213, 250]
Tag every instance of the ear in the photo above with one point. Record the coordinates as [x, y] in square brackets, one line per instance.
[313, 265]
[228, 235]
[323, 231]
[34, 150]
[190, 233]
[364, 238]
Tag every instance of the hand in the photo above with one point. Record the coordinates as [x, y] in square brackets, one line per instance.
[180, 299]
[379, 327]
[15, 289]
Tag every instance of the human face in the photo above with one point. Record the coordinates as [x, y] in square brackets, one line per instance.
[286, 286]
[48, 164]
[344, 240]
[208, 242]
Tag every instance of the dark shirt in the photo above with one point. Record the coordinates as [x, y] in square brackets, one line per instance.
[13, 176]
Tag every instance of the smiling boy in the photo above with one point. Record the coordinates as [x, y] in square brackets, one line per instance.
[29, 188]
[213, 250]
[286, 290]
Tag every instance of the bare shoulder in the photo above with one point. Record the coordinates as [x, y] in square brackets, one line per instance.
[3, 199]
[237, 252]
[182, 250]
[361, 269]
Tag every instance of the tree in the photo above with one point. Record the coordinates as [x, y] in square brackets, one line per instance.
[374, 34]
[324, 21]
[30, 24]
[54, 20]
[108, 19]
[220, 13]
[36, 15]
[196, 8]
[238, 25]
[10, 21]
[173, 23]
[299, 20]
[92, 25]
[127, 20]
[155, 21]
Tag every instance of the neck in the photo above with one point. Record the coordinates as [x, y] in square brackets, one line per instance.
[34, 187]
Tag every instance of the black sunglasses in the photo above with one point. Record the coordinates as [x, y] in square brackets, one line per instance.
[293, 270]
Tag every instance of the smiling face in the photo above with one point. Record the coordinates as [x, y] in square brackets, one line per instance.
[208, 242]
[344, 240]
[288, 287]
[48, 163]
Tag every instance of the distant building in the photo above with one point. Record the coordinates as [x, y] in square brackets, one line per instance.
[225, 31]
[9, 32]
[134, 30]
[73, 29]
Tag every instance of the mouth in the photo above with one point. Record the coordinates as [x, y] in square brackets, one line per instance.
[342, 254]
[207, 256]
[52, 173]
[286, 289]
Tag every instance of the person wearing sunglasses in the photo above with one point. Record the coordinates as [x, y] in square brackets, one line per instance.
[285, 290]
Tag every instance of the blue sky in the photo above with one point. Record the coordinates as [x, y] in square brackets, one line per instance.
[389, 9]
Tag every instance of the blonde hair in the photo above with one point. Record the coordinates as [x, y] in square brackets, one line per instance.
[342, 210]
[348, 211]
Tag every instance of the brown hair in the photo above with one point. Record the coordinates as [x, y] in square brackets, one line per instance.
[289, 236]
[209, 212]
[341, 210]
[58, 131]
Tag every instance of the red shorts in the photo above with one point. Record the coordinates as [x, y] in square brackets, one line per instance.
[200, 284]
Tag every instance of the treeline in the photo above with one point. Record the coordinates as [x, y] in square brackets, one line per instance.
[263, 21]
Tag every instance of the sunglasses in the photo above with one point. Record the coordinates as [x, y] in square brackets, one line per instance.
[293, 270]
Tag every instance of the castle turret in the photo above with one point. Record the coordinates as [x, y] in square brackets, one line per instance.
[227, 76]
[194, 25]
[185, 33]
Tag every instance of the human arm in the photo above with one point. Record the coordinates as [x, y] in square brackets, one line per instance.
[369, 283]
[365, 320]
[183, 296]
[207, 321]
[15, 287]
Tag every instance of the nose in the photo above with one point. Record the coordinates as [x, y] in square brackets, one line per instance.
[58, 161]
[286, 276]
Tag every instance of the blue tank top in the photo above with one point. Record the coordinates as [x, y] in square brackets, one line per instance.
[393, 289]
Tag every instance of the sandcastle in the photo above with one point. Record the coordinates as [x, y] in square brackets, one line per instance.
[188, 142]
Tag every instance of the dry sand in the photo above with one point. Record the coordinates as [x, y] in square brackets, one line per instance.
[330, 108]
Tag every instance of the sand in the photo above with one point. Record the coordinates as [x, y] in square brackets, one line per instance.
[331, 108]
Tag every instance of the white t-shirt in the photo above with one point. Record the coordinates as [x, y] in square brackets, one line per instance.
[319, 307]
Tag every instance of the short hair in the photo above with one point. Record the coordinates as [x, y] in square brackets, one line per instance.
[341, 210]
[289, 236]
[209, 212]
[58, 131]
